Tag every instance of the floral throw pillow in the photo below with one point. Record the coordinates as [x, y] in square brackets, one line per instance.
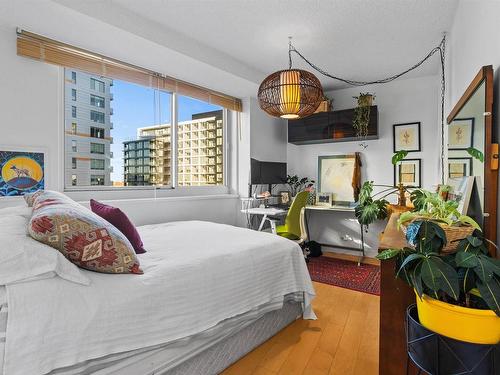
[81, 236]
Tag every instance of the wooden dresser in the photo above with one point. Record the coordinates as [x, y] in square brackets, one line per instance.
[395, 297]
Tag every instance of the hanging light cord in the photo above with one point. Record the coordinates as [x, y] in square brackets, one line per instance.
[351, 82]
[441, 47]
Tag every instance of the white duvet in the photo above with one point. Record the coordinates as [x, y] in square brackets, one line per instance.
[196, 274]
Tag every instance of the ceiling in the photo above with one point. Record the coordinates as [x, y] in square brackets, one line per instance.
[356, 39]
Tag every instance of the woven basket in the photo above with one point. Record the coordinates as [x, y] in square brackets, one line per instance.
[453, 235]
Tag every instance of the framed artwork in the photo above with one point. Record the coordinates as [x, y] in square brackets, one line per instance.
[335, 174]
[324, 199]
[459, 167]
[408, 172]
[21, 172]
[285, 197]
[406, 137]
[461, 134]
[461, 192]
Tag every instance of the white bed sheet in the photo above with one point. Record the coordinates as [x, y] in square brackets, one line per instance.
[196, 274]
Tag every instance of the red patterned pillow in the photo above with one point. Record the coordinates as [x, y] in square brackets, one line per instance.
[86, 239]
[30, 197]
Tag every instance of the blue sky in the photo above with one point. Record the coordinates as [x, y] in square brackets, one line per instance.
[135, 106]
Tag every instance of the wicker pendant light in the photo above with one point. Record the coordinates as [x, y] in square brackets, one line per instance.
[291, 93]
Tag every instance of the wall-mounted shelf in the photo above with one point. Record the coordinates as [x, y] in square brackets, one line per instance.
[326, 127]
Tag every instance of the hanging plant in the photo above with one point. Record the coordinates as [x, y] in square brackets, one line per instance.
[361, 119]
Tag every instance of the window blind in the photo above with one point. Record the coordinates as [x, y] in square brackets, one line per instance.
[51, 51]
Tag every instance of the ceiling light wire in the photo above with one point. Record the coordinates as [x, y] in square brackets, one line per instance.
[441, 48]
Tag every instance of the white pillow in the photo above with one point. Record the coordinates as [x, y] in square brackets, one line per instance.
[24, 259]
[16, 211]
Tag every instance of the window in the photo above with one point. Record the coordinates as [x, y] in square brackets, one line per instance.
[96, 132]
[73, 77]
[73, 111]
[97, 85]
[137, 149]
[73, 163]
[73, 95]
[97, 116]
[74, 181]
[96, 180]
[97, 101]
[199, 140]
[97, 164]
[97, 148]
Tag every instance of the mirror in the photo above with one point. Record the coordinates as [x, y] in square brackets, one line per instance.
[470, 129]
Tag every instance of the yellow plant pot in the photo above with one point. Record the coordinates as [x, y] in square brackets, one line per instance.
[460, 323]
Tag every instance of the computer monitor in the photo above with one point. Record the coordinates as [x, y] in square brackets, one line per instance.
[267, 172]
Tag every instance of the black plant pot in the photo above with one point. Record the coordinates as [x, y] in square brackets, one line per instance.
[440, 355]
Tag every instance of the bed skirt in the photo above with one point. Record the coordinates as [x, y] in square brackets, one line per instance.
[223, 354]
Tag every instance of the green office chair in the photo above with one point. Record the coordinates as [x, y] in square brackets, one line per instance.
[292, 227]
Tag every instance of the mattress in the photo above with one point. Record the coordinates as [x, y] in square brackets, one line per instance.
[206, 353]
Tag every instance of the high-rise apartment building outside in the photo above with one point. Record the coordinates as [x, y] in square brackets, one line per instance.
[87, 122]
[147, 160]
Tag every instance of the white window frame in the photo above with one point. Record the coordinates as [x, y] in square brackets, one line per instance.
[144, 191]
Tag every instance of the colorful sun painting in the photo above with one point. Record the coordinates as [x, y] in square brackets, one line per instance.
[21, 172]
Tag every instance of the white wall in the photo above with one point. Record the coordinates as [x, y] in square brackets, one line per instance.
[400, 101]
[32, 114]
[474, 41]
[268, 138]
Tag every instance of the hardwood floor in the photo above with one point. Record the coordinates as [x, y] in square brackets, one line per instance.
[343, 341]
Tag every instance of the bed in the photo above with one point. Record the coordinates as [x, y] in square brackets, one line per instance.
[209, 294]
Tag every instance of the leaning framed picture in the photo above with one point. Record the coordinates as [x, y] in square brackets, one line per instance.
[21, 172]
[459, 167]
[408, 172]
[406, 137]
[461, 134]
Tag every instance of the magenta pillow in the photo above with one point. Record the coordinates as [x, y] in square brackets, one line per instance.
[117, 217]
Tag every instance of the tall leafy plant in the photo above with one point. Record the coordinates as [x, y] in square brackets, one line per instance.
[368, 208]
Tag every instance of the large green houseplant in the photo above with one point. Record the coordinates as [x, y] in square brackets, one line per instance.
[459, 293]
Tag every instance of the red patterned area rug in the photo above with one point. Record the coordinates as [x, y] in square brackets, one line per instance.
[345, 274]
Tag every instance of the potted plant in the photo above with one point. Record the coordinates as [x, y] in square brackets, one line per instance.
[432, 207]
[361, 118]
[297, 184]
[371, 207]
[458, 295]
[443, 191]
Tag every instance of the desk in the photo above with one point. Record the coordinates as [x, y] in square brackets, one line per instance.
[265, 212]
[336, 209]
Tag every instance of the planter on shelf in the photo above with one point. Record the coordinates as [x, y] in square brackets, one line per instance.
[453, 234]
[464, 285]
